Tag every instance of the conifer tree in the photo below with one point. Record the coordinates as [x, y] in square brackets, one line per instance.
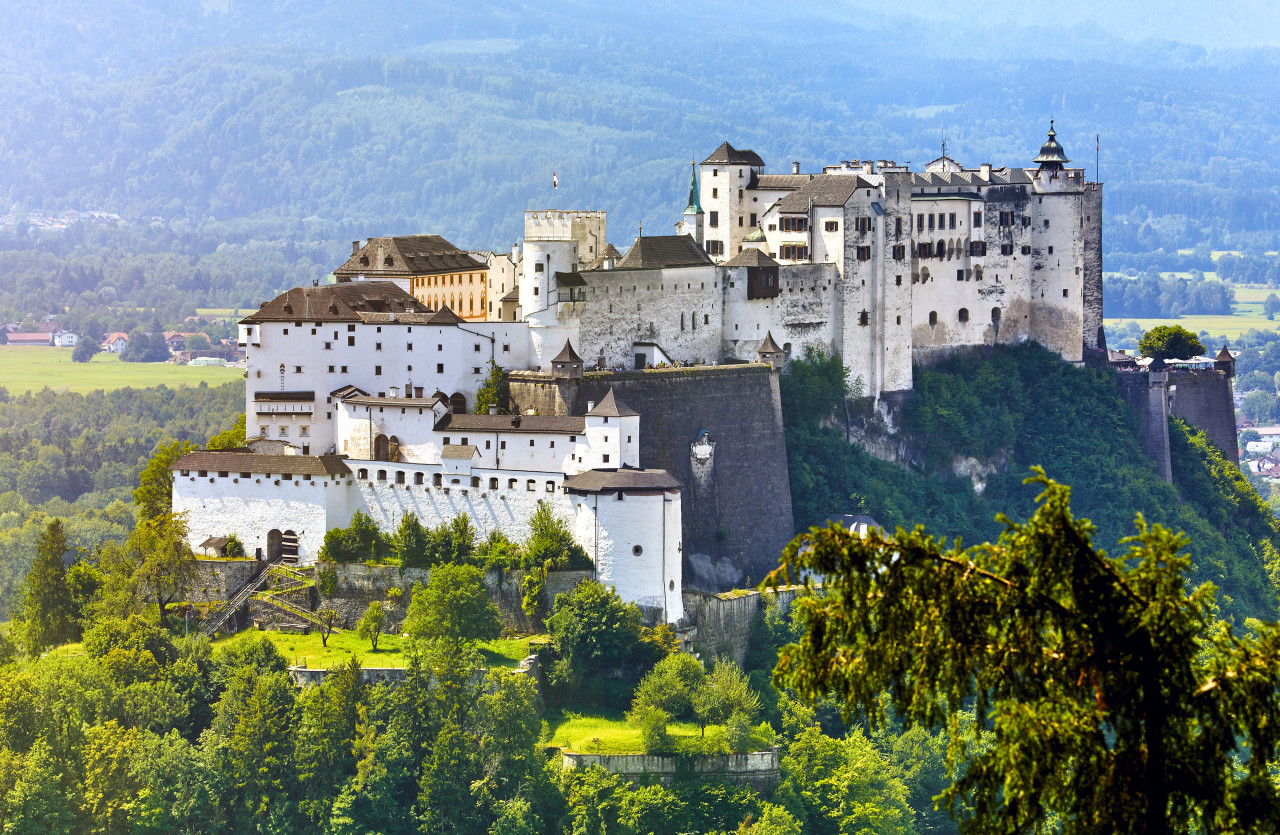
[48, 610]
[1108, 697]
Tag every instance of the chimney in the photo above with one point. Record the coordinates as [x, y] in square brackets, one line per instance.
[493, 410]
[868, 167]
[591, 404]
[355, 247]
[986, 171]
[795, 167]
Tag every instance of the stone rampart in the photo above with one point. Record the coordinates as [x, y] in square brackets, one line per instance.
[1147, 395]
[216, 580]
[360, 584]
[736, 495]
[1204, 400]
[758, 769]
[722, 623]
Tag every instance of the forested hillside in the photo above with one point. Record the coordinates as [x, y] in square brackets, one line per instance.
[245, 146]
[78, 456]
[1021, 407]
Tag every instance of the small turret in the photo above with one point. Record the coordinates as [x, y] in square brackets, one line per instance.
[693, 212]
[567, 365]
[770, 353]
[1225, 363]
[1052, 157]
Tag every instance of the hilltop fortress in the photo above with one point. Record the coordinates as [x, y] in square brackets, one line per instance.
[644, 399]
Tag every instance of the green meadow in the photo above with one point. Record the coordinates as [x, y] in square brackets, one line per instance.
[24, 368]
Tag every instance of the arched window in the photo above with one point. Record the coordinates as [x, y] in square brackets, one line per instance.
[382, 475]
[458, 403]
[933, 317]
[964, 314]
[400, 477]
[362, 473]
[417, 478]
[995, 315]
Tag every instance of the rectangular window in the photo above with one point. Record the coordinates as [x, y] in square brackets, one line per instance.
[977, 220]
[1006, 249]
[715, 247]
[713, 219]
[377, 371]
[551, 487]
[439, 368]
[960, 275]
[351, 341]
[1026, 249]
[897, 226]
[377, 346]
[931, 221]
[753, 220]
[328, 346]
[924, 250]
[297, 369]
[502, 445]
[533, 485]
[900, 252]
[1050, 250]
[344, 369]
[951, 220]
[832, 226]
[409, 347]
[864, 253]
[331, 369]
[606, 458]
[919, 223]
[1006, 218]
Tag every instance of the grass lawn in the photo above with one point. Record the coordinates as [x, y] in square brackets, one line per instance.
[307, 649]
[610, 734]
[25, 369]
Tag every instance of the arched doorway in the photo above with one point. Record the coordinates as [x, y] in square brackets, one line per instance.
[458, 403]
[381, 448]
[289, 546]
[274, 538]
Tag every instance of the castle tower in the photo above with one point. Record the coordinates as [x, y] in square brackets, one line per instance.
[557, 244]
[1051, 157]
[693, 215]
[1225, 363]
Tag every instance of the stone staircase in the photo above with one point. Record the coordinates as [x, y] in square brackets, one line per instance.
[237, 600]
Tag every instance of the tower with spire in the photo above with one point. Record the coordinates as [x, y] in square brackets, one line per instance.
[693, 215]
[1051, 156]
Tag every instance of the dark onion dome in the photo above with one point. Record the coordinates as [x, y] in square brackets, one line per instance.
[1051, 157]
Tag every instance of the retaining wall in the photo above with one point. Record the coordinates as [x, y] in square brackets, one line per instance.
[1204, 400]
[722, 623]
[736, 494]
[758, 769]
[216, 580]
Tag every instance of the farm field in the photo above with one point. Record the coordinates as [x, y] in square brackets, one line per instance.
[308, 649]
[1229, 326]
[26, 369]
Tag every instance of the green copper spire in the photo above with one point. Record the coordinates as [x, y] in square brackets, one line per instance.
[695, 205]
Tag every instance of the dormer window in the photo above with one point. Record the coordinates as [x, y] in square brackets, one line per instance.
[388, 261]
[364, 260]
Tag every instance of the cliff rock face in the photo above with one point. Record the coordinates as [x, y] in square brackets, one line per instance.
[719, 431]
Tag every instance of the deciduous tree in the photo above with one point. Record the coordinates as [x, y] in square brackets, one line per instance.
[1170, 342]
[454, 605]
[371, 623]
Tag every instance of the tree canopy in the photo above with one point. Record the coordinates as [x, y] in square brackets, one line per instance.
[1170, 342]
[1113, 699]
[454, 605]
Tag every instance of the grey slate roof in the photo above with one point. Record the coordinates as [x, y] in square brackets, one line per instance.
[999, 177]
[408, 255]
[726, 154]
[336, 303]
[782, 182]
[825, 190]
[655, 252]
[610, 406]
[751, 257]
[612, 481]
[513, 295]
[250, 462]
[512, 423]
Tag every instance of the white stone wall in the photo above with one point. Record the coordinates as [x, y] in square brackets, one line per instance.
[445, 358]
[251, 507]
[635, 544]
[680, 309]
[805, 312]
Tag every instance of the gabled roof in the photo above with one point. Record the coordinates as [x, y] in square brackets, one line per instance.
[726, 154]
[751, 257]
[567, 354]
[655, 252]
[1224, 355]
[825, 190]
[445, 317]
[769, 346]
[535, 424]
[343, 392]
[336, 303]
[513, 295]
[610, 253]
[611, 407]
[613, 481]
[459, 452]
[408, 255]
[251, 462]
[778, 182]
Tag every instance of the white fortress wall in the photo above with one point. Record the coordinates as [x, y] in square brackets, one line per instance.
[678, 308]
[804, 313]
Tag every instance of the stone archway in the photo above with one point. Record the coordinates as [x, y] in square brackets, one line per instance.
[274, 544]
[381, 448]
[458, 403]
